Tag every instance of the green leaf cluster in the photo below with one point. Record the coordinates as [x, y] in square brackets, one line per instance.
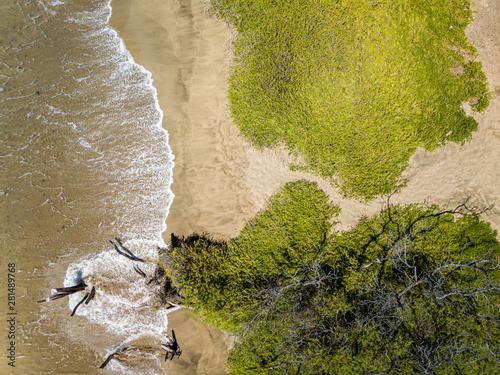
[354, 86]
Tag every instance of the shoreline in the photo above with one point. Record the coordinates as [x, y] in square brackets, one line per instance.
[183, 51]
[220, 181]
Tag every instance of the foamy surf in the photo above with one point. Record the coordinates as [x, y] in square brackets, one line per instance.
[86, 159]
[123, 298]
[123, 302]
[121, 293]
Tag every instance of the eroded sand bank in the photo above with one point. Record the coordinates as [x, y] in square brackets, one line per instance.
[220, 181]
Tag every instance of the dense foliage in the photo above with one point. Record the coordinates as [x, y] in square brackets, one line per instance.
[213, 273]
[414, 289]
[354, 87]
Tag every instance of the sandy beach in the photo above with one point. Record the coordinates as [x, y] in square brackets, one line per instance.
[220, 181]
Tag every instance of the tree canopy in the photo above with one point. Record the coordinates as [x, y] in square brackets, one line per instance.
[414, 289]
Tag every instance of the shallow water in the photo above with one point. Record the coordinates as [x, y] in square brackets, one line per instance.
[84, 159]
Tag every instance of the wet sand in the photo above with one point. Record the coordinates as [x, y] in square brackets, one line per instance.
[220, 181]
[184, 52]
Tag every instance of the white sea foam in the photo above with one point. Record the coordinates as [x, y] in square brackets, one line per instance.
[120, 291]
[86, 159]
[158, 124]
[88, 151]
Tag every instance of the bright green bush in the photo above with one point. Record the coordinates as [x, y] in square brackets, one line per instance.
[214, 273]
[354, 86]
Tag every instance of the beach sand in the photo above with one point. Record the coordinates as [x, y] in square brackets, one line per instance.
[220, 181]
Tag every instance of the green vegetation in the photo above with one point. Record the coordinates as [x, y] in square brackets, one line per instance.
[213, 273]
[354, 87]
[414, 289]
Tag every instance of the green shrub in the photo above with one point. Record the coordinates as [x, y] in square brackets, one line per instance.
[354, 86]
[213, 273]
